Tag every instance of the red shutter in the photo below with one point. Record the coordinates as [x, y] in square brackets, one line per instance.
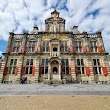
[22, 70]
[74, 49]
[94, 72]
[10, 49]
[100, 49]
[35, 49]
[84, 48]
[16, 70]
[68, 49]
[33, 71]
[90, 48]
[20, 49]
[40, 70]
[70, 70]
[40, 49]
[87, 71]
[49, 48]
[105, 72]
[76, 70]
[26, 49]
[5, 71]
[60, 48]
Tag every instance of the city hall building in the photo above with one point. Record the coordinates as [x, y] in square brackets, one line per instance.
[55, 55]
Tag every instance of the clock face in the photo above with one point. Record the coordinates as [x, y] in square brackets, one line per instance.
[55, 16]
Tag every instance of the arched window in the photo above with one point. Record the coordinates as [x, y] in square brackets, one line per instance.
[54, 49]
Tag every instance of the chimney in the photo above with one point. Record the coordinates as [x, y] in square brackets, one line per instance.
[75, 30]
[35, 29]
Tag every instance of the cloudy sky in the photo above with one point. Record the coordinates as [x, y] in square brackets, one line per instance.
[22, 15]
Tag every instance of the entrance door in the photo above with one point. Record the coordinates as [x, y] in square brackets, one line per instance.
[55, 70]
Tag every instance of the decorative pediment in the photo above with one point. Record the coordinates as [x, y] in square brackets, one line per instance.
[78, 39]
[64, 38]
[93, 39]
[46, 38]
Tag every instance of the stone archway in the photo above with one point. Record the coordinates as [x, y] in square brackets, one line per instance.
[54, 69]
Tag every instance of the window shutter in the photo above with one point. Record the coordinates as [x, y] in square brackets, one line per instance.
[105, 72]
[26, 49]
[16, 70]
[90, 48]
[70, 70]
[10, 49]
[5, 70]
[100, 48]
[33, 71]
[68, 48]
[60, 48]
[20, 49]
[84, 48]
[35, 49]
[74, 49]
[40, 48]
[49, 48]
[76, 70]
[94, 72]
[40, 70]
[87, 71]
[22, 70]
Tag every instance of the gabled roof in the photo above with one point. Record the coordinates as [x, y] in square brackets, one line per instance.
[51, 19]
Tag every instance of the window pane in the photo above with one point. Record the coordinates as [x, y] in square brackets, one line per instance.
[47, 44]
[82, 63]
[79, 70]
[14, 50]
[66, 61]
[30, 72]
[13, 72]
[100, 70]
[98, 61]
[43, 49]
[78, 61]
[27, 62]
[27, 70]
[83, 70]
[95, 70]
[42, 70]
[15, 62]
[79, 44]
[65, 49]
[94, 61]
[31, 63]
[63, 62]
[76, 49]
[10, 69]
[11, 63]
[46, 49]
[46, 70]
[67, 70]
[32, 49]
[43, 60]
[80, 49]
[95, 49]
[43, 43]
[47, 62]
[63, 70]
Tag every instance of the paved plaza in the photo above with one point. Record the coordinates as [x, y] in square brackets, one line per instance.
[54, 97]
[67, 89]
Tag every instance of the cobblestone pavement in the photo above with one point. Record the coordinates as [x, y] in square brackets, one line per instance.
[40, 88]
[55, 102]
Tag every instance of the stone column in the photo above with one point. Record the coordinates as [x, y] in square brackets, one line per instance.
[49, 71]
[59, 71]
